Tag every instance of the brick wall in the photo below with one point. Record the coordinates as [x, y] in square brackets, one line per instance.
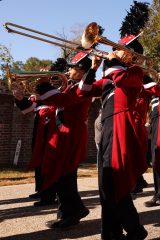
[6, 112]
[15, 126]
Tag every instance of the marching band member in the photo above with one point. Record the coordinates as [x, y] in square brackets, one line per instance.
[150, 90]
[119, 164]
[155, 144]
[44, 128]
[67, 146]
[71, 148]
[130, 31]
[140, 115]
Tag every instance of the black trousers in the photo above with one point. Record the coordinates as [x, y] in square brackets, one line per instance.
[156, 177]
[70, 202]
[156, 172]
[47, 195]
[38, 179]
[115, 216]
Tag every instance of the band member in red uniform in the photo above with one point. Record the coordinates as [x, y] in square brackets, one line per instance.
[119, 164]
[68, 145]
[140, 115]
[131, 26]
[72, 114]
[44, 128]
[155, 145]
[150, 90]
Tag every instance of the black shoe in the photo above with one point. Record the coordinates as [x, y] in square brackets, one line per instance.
[63, 223]
[82, 213]
[155, 201]
[44, 203]
[140, 234]
[34, 195]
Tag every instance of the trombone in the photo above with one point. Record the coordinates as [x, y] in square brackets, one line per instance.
[10, 30]
[90, 36]
[62, 42]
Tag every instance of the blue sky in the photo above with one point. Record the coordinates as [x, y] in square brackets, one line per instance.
[54, 17]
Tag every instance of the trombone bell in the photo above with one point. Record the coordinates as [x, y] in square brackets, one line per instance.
[90, 35]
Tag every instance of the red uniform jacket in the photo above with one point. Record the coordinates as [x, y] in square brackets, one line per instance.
[44, 130]
[120, 145]
[153, 89]
[141, 109]
[71, 143]
[64, 147]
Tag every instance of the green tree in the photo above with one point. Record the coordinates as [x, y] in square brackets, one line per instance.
[151, 34]
[18, 66]
[5, 58]
[35, 64]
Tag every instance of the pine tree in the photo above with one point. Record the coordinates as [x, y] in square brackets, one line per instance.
[151, 34]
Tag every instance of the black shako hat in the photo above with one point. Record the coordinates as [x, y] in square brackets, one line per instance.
[133, 25]
[131, 41]
[81, 60]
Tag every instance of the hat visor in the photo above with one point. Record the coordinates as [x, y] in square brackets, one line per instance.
[71, 64]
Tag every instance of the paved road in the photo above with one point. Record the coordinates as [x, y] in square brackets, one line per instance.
[20, 220]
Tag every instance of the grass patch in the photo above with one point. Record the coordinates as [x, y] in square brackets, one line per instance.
[20, 176]
[12, 176]
[15, 176]
[87, 170]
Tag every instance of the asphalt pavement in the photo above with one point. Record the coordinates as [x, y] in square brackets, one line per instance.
[20, 220]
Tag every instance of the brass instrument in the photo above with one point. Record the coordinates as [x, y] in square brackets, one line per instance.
[10, 30]
[62, 42]
[27, 81]
[90, 36]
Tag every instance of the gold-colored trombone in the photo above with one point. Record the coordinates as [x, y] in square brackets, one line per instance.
[27, 81]
[64, 43]
[10, 30]
[90, 36]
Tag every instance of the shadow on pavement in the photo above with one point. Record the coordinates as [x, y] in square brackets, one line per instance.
[84, 229]
[143, 194]
[27, 199]
[151, 217]
[89, 193]
[25, 212]
[18, 212]
[16, 200]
